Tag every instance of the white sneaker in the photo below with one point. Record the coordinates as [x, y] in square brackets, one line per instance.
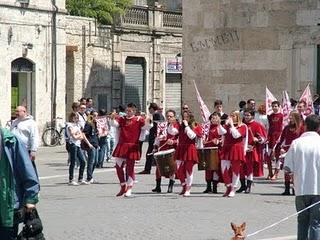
[73, 183]
[83, 182]
[187, 193]
[232, 193]
[93, 181]
[128, 192]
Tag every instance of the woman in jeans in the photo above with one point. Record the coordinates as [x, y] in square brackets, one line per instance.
[91, 132]
[75, 136]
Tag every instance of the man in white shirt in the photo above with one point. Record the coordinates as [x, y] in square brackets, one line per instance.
[303, 160]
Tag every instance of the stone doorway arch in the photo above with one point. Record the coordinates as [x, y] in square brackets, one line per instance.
[22, 85]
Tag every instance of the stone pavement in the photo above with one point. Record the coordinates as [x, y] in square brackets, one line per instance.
[93, 212]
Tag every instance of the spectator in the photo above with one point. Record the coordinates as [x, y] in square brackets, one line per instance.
[89, 105]
[303, 160]
[91, 132]
[75, 136]
[82, 115]
[103, 135]
[157, 117]
[26, 129]
[83, 101]
[19, 184]
[218, 108]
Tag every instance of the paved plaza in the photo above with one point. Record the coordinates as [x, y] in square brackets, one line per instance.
[93, 212]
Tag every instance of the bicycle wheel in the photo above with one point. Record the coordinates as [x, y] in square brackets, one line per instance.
[50, 137]
[62, 139]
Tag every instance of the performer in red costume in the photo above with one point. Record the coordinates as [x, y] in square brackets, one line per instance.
[275, 120]
[253, 163]
[186, 153]
[166, 139]
[127, 150]
[233, 152]
[292, 131]
[214, 139]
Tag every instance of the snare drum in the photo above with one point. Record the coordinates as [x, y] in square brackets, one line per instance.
[208, 158]
[165, 162]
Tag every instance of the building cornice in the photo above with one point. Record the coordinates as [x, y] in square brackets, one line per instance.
[33, 8]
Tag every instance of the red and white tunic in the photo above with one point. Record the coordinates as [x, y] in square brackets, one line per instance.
[128, 144]
[255, 130]
[275, 128]
[186, 149]
[169, 133]
[233, 147]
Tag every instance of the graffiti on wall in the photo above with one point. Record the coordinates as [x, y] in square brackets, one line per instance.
[224, 38]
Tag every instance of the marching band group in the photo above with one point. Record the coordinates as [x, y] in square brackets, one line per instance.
[233, 148]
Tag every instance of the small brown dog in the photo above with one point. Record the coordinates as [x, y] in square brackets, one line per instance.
[238, 231]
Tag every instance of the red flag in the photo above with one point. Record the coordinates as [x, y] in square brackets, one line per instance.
[307, 97]
[286, 107]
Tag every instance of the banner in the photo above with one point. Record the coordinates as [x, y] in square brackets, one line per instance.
[307, 97]
[269, 99]
[286, 107]
[205, 113]
[102, 126]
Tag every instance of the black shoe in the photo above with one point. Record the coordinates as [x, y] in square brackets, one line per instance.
[286, 189]
[248, 188]
[243, 186]
[157, 189]
[214, 186]
[170, 186]
[208, 189]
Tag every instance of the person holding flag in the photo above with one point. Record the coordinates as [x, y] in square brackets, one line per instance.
[186, 153]
[275, 120]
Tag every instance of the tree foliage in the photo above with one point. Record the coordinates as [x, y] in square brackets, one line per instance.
[102, 10]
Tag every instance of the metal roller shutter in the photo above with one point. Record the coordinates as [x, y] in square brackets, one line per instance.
[173, 92]
[134, 82]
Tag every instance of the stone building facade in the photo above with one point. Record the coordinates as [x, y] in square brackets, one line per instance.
[27, 67]
[234, 49]
[128, 62]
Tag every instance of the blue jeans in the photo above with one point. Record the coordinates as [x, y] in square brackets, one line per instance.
[103, 147]
[92, 162]
[309, 220]
[76, 154]
[111, 146]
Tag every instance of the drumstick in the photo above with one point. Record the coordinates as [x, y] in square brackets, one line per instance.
[158, 148]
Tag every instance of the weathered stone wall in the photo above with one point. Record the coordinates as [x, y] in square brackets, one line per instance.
[234, 49]
[34, 28]
[89, 65]
[97, 65]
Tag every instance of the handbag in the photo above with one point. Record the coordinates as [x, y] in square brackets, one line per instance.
[32, 229]
[84, 145]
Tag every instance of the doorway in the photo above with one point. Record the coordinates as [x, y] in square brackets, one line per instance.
[22, 85]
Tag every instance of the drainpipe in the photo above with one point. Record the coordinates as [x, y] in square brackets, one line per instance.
[54, 61]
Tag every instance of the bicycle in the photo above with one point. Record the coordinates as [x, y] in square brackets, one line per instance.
[54, 135]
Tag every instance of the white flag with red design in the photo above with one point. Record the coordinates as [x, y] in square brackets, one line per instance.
[286, 107]
[102, 126]
[205, 113]
[161, 128]
[269, 99]
[307, 97]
